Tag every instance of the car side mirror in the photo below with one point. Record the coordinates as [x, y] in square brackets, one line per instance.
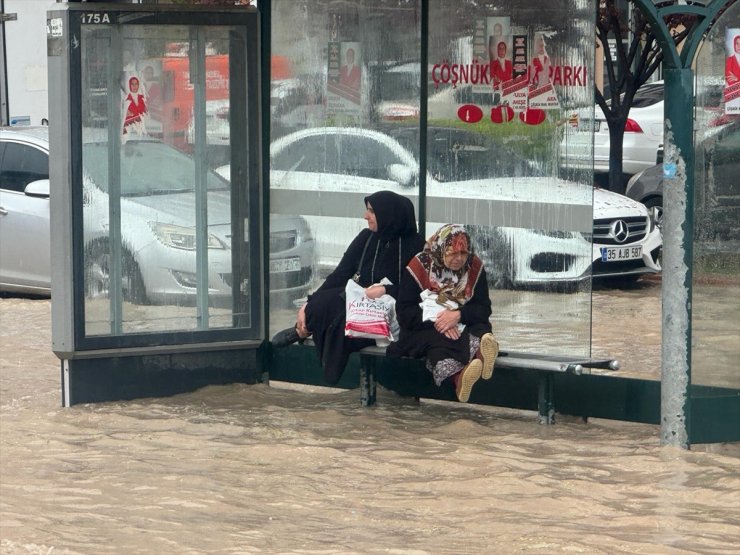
[401, 174]
[38, 189]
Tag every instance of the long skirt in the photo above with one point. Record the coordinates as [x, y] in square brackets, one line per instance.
[445, 357]
[325, 319]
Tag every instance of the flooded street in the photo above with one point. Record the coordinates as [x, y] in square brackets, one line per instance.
[258, 469]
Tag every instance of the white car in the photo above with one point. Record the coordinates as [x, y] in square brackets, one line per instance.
[157, 221]
[324, 173]
[643, 134]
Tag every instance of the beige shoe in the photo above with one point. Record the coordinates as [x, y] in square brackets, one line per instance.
[488, 352]
[465, 379]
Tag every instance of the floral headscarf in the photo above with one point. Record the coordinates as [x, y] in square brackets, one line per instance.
[429, 270]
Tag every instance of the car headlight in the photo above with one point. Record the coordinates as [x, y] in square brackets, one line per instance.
[654, 219]
[180, 237]
[304, 233]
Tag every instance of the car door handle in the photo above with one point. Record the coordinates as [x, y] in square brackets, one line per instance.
[3, 212]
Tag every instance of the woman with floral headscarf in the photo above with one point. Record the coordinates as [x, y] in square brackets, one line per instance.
[444, 312]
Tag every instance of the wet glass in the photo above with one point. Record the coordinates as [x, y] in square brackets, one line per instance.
[157, 214]
[345, 122]
[715, 330]
[344, 107]
[510, 91]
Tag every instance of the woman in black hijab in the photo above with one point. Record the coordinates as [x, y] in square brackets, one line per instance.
[380, 251]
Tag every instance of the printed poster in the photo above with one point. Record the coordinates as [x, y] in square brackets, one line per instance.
[515, 93]
[344, 78]
[492, 46]
[541, 91]
[732, 71]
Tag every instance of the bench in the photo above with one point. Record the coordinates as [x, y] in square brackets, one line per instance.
[546, 367]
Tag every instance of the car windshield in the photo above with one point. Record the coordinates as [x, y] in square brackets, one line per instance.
[147, 168]
[460, 155]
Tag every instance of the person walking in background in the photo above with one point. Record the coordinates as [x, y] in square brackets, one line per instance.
[382, 250]
[444, 312]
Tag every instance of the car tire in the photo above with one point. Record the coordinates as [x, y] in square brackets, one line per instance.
[656, 202]
[97, 274]
[495, 252]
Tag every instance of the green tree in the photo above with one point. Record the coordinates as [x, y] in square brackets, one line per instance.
[635, 56]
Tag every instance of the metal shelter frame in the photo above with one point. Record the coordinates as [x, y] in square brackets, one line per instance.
[678, 234]
[598, 396]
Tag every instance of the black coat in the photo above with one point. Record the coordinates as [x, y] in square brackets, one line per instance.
[419, 339]
[386, 253]
[381, 260]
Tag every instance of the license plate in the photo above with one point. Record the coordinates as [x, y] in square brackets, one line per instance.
[617, 254]
[285, 265]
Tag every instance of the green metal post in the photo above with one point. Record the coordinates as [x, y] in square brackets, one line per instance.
[678, 229]
[678, 207]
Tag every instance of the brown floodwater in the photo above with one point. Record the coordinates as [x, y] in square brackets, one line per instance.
[270, 469]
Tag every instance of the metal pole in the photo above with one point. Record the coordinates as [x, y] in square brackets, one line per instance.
[115, 121]
[198, 79]
[678, 211]
[677, 261]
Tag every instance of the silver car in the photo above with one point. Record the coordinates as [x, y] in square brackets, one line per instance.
[158, 224]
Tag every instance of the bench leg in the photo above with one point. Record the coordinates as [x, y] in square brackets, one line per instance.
[367, 381]
[545, 401]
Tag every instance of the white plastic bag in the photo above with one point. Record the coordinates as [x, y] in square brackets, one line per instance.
[431, 307]
[370, 318]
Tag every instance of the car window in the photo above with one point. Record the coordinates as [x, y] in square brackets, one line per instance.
[22, 164]
[147, 168]
[365, 157]
[316, 154]
[647, 96]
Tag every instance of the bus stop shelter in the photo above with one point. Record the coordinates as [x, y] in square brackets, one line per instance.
[211, 161]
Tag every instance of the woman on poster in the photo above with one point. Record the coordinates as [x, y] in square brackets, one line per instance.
[501, 67]
[732, 63]
[349, 73]
[539, 71]
[135, 108]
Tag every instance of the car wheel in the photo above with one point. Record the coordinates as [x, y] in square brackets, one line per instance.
[97, 275]
[657, 203]
[495, 252]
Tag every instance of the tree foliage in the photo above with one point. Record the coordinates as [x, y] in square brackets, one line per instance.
[638, 56]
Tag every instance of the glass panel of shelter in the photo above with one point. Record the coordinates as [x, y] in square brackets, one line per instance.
[355, 76]
[345, 82]
[716, 269]
[500, 175]
[157, 213]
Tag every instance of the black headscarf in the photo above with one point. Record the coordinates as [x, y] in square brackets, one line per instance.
[394, 214]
